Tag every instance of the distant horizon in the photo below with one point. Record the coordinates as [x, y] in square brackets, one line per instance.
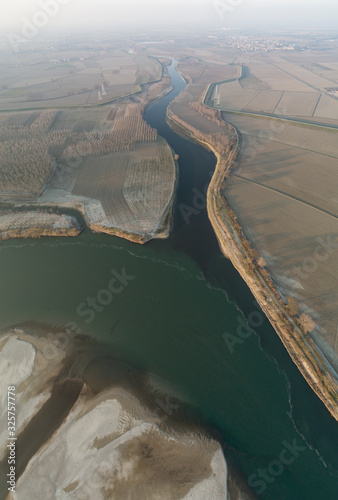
[77, 15]
[167, 32]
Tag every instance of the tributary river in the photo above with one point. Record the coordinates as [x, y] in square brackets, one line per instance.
[170, 320]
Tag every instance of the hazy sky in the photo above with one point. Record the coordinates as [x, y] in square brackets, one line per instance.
[79, 14]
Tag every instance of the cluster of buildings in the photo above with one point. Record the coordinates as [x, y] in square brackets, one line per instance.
[250, 44]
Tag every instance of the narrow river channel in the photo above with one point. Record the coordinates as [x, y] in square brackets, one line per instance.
[170, 321]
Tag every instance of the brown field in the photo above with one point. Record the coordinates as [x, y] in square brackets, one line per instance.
[26, 162]
[215, 72]
[134, 188]
[284, 192]
[201, 75]
[148, 188]
[46, 138]
[202, 124]
[74, 79]
[288, 233]
[188, 111]
[291, 170]
[328, 70]
[275, 78]
[327, 108]
[298, 103]
[232, 96]
[309, 137]
[106, 159]
[159, 88]
[283, 188]
[265, 102]
[304, 75]
[283, 87]
[149, 70]
[251, 82]
[193, 117]
[103, 179]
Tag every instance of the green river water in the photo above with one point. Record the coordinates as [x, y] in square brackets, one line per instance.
[170, 320]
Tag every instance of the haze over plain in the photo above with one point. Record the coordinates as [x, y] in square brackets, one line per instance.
[80, 14]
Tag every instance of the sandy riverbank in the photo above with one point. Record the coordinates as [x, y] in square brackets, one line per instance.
[300, 347]
[83, 431]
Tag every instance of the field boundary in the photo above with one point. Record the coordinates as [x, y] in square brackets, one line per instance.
[209, 91]
[299, 200]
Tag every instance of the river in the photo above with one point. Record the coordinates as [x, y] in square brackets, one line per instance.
[170, 320]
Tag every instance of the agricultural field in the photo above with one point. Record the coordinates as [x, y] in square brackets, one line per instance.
[134, 188]
[264, 102]
[149, 70]
[275, 78]
[159, 88]
[71, 78]
[304, 75]
[200, 75]
[27, 153]
[291, 170]
[309, 137]
[283, 187]
[327, 108]
[299, 103]
[249, 81]
[232, 96]
[284, 192]
[106, 160]
[272, 85]
[328, 70]
[193, 117]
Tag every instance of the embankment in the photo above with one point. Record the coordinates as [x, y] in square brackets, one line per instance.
[33, 224]
[234, 246]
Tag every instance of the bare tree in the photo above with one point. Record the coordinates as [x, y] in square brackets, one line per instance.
[306, 322]
[293, 305]
[261, 261]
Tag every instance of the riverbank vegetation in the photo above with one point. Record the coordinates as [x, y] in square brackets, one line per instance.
[37, 223]
[283, 190]
[294, 325]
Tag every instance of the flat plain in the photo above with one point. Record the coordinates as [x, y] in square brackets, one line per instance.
[284, 192]
[104, 160]
[283, 186]
[74, 78]
[298, 87]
